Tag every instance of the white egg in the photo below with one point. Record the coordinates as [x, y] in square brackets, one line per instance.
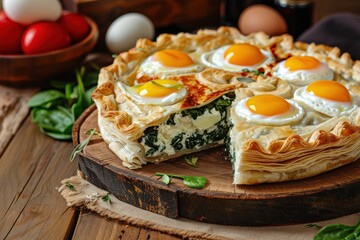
[30, 11]
[293, 115]
[216, 59]
[326, 106]
[151, 66]
[126, 30]
[303, 77]
[175, 96]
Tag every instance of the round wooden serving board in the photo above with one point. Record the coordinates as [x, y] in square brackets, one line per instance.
[329, 195]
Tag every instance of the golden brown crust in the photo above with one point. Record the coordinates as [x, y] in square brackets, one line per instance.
[292, 142]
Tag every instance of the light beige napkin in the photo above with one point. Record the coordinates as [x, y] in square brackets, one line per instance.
[80, 193]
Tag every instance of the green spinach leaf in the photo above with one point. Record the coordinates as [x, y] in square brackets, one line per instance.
[88, 94]
[45, 97]
[339, 232]
[166, 179]
[90, 79]
[189, 181]
[55, 120]
[58, 136]
[194, 182]
[55, 112]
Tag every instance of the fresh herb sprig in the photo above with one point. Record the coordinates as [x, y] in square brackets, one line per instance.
[79, 148]
[191, 161]
[313, 225]
[70, 186]
[106, 199]
[339, 232]
[55, 110]
[189, 181]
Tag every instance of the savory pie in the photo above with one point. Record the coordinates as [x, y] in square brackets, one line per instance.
[285, 110]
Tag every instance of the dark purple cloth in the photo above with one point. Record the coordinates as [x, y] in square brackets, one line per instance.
[341, 30]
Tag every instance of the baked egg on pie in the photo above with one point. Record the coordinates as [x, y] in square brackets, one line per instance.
[284, 110]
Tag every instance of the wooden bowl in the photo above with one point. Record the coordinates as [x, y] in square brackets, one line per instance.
[27, 70]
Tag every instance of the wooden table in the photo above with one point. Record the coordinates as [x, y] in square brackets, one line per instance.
[31, 168]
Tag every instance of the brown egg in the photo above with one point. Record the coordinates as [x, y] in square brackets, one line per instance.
[260, 17]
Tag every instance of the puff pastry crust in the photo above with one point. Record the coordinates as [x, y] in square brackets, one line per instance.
[259, 153]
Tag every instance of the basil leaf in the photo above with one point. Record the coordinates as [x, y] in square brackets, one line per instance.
[45, 97]
[194, 182]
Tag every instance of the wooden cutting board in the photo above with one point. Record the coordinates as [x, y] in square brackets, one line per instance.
[329, 195]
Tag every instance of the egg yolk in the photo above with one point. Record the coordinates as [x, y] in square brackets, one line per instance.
[268, 105]
[301, 63]
[173, 58]
[243, 54]
[330, 90]
[158, 88]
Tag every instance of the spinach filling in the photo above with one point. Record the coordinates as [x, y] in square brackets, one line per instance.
[229, 148]
[150, 138]
[189, 139]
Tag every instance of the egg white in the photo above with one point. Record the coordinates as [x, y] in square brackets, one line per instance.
[215, 59]
[303, 77]
[152, 67]
[160, 101]
[295, 113]
[326, 106]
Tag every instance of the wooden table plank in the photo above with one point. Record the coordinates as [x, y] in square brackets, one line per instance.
[90, 224]
[31, 167]
[13, 111]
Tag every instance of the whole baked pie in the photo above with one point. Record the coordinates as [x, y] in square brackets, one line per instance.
[284, 110]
